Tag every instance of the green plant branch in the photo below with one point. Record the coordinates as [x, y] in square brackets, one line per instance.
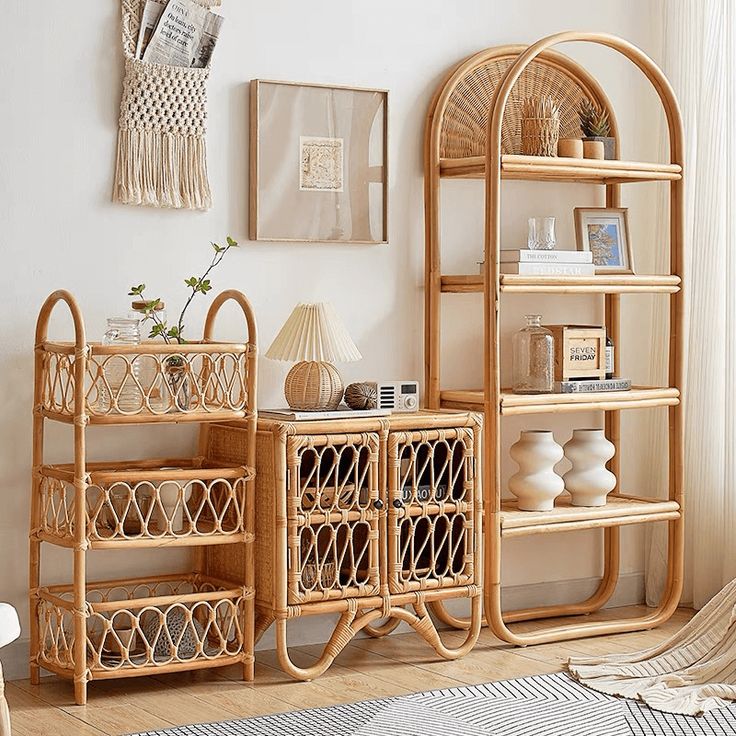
[200, 285]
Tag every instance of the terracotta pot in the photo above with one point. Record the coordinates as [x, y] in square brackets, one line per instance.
[570, 148]
[594, 149]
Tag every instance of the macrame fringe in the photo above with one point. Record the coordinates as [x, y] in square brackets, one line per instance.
[161, 170]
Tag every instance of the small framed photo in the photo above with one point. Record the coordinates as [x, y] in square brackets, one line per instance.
[605, 232]
[318, 163]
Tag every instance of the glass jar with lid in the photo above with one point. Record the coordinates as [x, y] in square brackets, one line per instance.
[121, 389]
[533, 358]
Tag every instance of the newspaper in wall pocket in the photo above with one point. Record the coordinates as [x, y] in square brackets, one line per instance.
[208, 40]
[152, 12]
[178, 33]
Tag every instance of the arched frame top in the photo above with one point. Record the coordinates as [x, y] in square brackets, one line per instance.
[652, 72]
[462, 71]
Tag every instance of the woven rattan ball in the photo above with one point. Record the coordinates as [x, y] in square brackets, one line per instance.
[360, 396]
[313, 386]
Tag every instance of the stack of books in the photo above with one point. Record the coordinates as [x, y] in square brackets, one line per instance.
[547, 262]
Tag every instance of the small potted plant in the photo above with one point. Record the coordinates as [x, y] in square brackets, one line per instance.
[596, 126]
[176, 367]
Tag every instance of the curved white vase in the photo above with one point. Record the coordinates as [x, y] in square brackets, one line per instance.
[536, 485]
[589, 481]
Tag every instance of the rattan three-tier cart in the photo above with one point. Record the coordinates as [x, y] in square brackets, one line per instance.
[161, 623]
[473, 132]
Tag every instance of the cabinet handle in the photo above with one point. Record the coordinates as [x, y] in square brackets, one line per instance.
[378, 504]
[398, 503]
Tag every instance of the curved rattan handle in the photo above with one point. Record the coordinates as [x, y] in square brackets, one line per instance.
[242, 301]
[42, 325]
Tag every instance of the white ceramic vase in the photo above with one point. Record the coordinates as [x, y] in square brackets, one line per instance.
[536, 485]
[589, 481]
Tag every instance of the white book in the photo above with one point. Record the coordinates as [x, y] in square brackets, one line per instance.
[291, 415]
[549, 269]
[523, 255]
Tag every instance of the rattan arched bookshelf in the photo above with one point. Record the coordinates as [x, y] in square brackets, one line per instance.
[471, 133]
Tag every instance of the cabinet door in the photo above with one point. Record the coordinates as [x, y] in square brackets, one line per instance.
[331, 517]
[431, 505]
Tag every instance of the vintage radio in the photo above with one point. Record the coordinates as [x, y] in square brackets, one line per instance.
[580, 352]
[399, 396]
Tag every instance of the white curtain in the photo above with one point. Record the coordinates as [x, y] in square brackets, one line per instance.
[698, 55]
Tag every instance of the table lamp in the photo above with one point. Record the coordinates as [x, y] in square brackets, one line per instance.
[315, 336]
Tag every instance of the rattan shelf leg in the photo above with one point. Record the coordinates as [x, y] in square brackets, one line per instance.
[665, 609]
[381, 630]
[262, 624]
[606, 588]
[595, 602]
[422, 623]
[461, 623]
[347, 627]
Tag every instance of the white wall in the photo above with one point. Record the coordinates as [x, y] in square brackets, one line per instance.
[60, 75]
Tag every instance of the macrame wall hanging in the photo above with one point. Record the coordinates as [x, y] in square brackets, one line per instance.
[162, 152]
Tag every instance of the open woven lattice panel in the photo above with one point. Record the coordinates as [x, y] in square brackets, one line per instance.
[173, 620]
[150, 380]
[167, 500]
[465, 118]
[431, 509]
[333, 519]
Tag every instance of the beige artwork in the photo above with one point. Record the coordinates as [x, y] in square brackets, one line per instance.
[321, 164]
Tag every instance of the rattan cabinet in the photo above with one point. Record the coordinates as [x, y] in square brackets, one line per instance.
[473, 133]
[163, 623]
[361, 517]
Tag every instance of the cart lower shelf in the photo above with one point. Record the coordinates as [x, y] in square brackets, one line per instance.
[618, 511]
[146, 625]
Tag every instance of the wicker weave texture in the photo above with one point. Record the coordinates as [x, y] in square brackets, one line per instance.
[431, 508]
[145, 503]
[313, 385]
[147, 382]
[178, 622]
[466, 115]
[332, 520]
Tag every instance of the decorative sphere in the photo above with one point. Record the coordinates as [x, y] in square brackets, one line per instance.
[313, 386]
[361, 396]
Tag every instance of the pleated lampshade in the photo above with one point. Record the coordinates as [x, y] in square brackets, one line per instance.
[314, 332]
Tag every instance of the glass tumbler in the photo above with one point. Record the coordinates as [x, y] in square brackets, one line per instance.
[541, 233]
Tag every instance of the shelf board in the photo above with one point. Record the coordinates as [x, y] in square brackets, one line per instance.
[618, 511]
[147, 542]
[201, 417]
[613, 284]
[639, 397]
[576, 170]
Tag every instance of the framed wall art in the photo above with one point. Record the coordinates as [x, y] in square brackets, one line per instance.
[605, 232]
[319, 163]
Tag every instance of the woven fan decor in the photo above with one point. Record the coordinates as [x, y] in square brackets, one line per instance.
[162, 153]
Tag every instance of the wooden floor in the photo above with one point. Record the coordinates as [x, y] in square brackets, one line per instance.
[367, 669]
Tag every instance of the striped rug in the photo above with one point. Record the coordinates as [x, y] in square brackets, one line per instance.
[544, 705]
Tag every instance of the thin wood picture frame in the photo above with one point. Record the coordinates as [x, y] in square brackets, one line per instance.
[605, 232]
[316, 152]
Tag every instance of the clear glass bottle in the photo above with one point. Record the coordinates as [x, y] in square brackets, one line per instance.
[533, 358]
[121, 392]
[148, 365]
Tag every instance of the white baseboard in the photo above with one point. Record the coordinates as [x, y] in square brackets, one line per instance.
[317, 629]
